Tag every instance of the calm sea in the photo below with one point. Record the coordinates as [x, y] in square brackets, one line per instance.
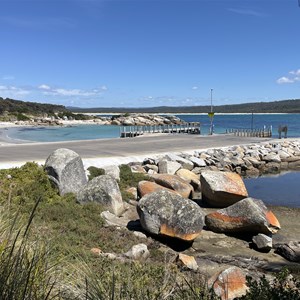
[279, 189]
[221, 123]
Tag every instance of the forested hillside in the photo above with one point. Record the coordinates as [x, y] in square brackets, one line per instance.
[33, 108]
[284, 106]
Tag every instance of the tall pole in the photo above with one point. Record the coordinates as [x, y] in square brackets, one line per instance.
[211, 115]
[211, 91]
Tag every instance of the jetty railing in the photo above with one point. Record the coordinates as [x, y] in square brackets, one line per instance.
[133, 131]
[246, 132]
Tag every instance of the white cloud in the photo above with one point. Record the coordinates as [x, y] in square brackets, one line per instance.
[284, 79]
[104, 88]
[50, 91]
[73, 92]
[12, 91]
[292, 78]
[297, 72]
[194, 88]
[44, 87]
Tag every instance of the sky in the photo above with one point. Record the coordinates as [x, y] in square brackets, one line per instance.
[144, 53]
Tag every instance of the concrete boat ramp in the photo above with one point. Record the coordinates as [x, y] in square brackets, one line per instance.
[116, 151]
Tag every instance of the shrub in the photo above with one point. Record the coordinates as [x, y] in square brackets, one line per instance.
[95, 172]
[21, 186]
[284, 286]
[129, 179]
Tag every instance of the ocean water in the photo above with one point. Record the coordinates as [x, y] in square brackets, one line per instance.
[221, 123]
[246, 121]
[282, 189]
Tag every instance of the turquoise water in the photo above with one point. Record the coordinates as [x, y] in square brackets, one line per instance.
[55, 134]
[221, 123]
[281, 190]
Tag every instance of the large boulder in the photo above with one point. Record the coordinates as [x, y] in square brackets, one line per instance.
[221, 189]
[104, 190]
[229, 284]
[146, 187]
[290, 250]
[65, 169]
[168, 214]
[175, 183]
[247, 215]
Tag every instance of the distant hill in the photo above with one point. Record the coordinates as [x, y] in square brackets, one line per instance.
[283, 106]
[33, 108]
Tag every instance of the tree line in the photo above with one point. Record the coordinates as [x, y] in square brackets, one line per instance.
[283, 106]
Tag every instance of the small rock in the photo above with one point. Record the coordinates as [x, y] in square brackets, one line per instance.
[96, 251]
[139, 235]
[112, 220]
[187, 261]
[132, 191]
[138, 252]
[198, 162]
[112, 171]
[185, 163]
[168, 167]
[262, 242]
[137, 169]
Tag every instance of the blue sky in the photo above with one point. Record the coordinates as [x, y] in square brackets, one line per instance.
[94, 53]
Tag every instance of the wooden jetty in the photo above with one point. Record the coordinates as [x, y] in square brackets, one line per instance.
[133, 131]
[263, 132]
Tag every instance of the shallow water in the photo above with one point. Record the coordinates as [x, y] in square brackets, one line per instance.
[221, 123]
[282, 189]
[66, 133]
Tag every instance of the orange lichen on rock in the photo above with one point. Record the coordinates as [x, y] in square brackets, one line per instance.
[147, 187]
[172, 232]
[229, 284]
[226, 218]
[272, 219]
[237, 186]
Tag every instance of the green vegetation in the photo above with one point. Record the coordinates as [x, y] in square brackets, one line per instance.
[284, 106]
[33, 108]
[129, 179]
[16, 110]
[283, 287]
[45, 243]
[95, 172]
[69, 115]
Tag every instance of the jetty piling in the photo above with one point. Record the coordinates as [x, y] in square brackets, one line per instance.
[246, 132]
[133, 131]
